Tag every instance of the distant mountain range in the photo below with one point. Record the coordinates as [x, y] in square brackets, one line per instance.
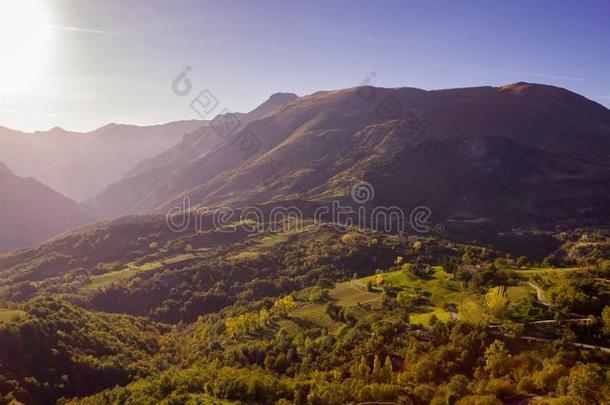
[505, 157]
[513, 155]
[157, 179]
[80, 165]
[31, 212]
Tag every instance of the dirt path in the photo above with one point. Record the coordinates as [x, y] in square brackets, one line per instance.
[551, 321]
[539, 294]
[539, 339]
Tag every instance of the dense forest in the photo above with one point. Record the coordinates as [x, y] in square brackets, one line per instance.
[305, 317]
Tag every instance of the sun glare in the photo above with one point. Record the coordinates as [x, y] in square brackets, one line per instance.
[24, 44]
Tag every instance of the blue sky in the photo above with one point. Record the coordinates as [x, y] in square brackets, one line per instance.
[114, 61]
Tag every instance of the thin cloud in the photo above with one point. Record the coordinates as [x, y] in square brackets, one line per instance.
[85, 30]
[511, 72]
[123, 34]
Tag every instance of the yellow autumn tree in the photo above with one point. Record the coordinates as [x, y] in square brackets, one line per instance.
[284, 305]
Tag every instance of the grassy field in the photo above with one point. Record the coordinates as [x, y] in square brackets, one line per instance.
[515, 293]
[245, 256]
[104, 280]
[439, 287]
[544, 271]
[352, 293]
[175, 259]
[473, 310]
[9, 314]
[424, 318]
[313, 315]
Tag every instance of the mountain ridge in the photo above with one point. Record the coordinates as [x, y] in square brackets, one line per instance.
[31, 212]
[69, 161]
[321, 143]
[139, 182]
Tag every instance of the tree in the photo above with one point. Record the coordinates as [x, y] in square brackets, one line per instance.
[377, 370]
[457, 387]
[522, 261]
[405, 299]
[284, 305]
[585, 383]
[363, 369]
[466, 260]
[550, 261]
[496, 359]
[318, 294]
[332, 310]
[606, 319]
[263, 318]
[388, 370]
[406, 267]
[500, 262]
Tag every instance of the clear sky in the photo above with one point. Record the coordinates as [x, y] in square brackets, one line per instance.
[81, 64]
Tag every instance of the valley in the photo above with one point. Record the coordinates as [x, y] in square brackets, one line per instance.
[304, 203]
[462, 290]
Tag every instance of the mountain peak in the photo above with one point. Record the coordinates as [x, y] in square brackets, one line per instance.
[274, 101]
[282, 97]
[522, 87]
[53, 131]
[4, 169]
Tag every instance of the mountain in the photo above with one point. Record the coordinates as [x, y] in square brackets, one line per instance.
[151, 181]
[80, 165]
[326, 314]
[510, 156]
[31, 212]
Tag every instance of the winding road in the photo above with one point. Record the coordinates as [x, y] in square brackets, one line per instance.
[539, 294]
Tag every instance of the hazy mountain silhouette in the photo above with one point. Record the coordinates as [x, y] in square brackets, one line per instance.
[80, 165]
[31, 212]
[154, 179]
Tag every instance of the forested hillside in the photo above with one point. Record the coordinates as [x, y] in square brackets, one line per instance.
[311, 316]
